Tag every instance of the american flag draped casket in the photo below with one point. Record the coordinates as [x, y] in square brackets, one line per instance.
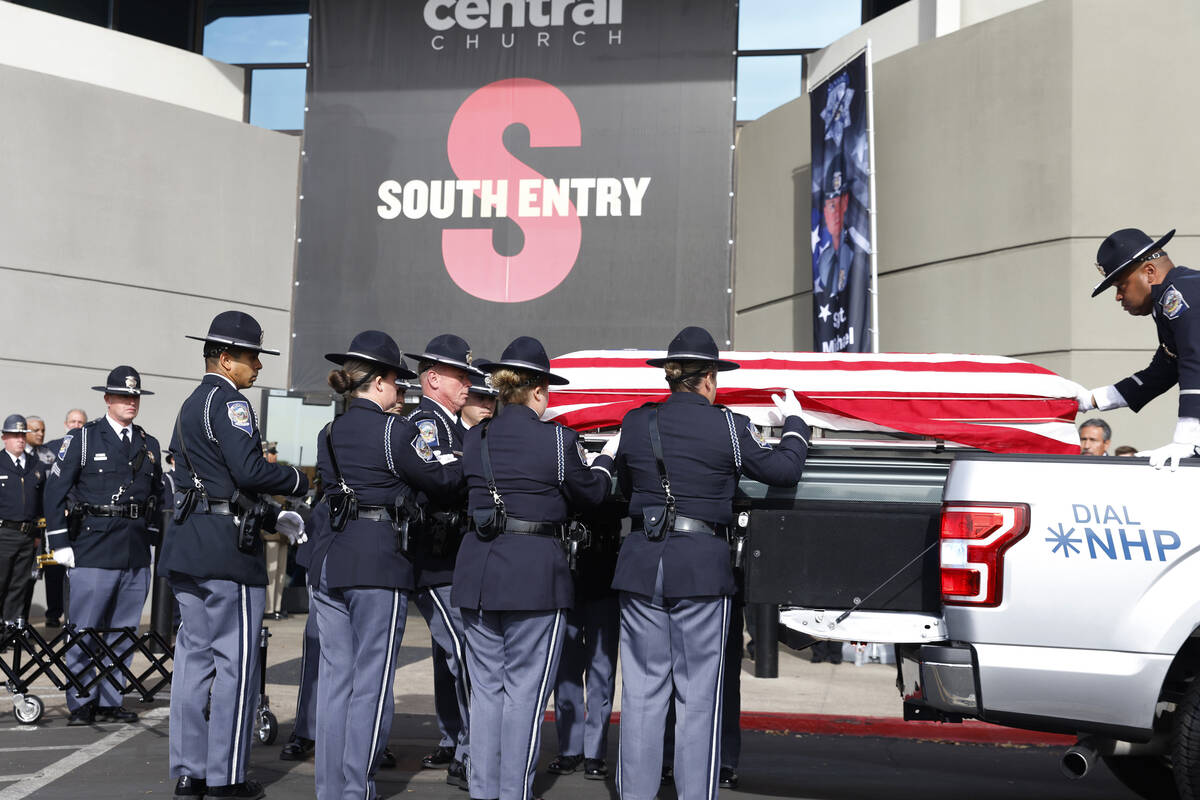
[994, 403]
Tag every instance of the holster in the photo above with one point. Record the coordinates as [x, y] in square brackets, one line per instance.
[407, 517]
[343, 507]
[488, 522]
[577, 537]
[658, 521]
[443, 532]
[249, 522]
[75, 521]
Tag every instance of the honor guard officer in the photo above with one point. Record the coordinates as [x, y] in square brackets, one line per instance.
[360, 572]
[214, 560]
[21, 481]
[481, 399]
[679, 463]
[101, 518]
[446, 373]
[512, 579]
[1148, 282]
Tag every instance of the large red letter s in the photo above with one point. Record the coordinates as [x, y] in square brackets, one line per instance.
[476, 150]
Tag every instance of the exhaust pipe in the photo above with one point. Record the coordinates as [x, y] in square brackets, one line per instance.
[1079, 759]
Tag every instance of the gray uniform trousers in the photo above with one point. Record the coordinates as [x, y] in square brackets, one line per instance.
[310, 662]
[103, 598]
[671, 648]
[512, 657]
[589, 655]
[446, 629]
[445, 699]
[216, 651]
[360, 630]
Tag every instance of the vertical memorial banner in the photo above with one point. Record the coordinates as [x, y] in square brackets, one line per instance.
[841, 210]
[495, 168]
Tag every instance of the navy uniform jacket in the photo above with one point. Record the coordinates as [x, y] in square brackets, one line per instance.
[705, 448]
[21, 490]
[437, 434]
[1176, 313]
[378, 463]
[93, 467]
[225, 447]
[541, 476]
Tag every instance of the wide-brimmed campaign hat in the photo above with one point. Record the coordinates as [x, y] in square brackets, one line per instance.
[236, 329]
[482, 384]
[15, 423]
[1121, 250]
[448, 349]
[123, 380]
[694, 344]
[526, 353]
[376, 347]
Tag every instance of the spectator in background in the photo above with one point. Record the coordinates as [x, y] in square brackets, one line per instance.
[55, 574]
[1094, 435]
[276, 552]
[1125, 450]
[35, 440]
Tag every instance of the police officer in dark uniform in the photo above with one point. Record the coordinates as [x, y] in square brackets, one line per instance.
[214, 560]
[445, 372]
[101, 518]
[21, 481]
[679, 463]
[512, 579]
[1148, 282]
[371, 466]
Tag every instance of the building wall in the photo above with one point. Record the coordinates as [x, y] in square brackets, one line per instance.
[127, 222]
[1005, 152]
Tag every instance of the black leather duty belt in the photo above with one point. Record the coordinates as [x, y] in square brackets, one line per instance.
[221, 507]
[124, 510]
[689, 525]
[22, 525]
[377, 513]
[524, 528]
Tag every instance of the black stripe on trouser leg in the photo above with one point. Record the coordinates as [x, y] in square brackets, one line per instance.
[714, 745]
[236, 746]
[539, 711]
[385, 686]
[462, 684]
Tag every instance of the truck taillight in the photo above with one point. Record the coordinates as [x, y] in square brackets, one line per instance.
[974, 539]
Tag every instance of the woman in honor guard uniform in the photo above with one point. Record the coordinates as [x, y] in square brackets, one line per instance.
[214, 560]
[107, 476]
[360, 572]
[679, 463]
[22, 478]
[512, 580]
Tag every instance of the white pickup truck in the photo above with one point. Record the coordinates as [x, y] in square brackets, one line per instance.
[1052, 593]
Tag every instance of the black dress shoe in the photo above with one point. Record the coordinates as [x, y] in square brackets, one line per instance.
[114, 714]
[456, 774]
[53, 622]
[594, 769]
[247, 790]
[439, 758]
[565, 765]
[388, 759]
[187, 786]
[668, 775]
[84, 715]
[297, 749]
[728, 779]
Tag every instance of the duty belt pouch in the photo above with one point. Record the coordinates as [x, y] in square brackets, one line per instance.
[659, 520]
[488, 522]
[187, 500]
[185, 503]
[343, 502]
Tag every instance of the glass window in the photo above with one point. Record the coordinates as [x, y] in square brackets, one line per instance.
[778, 24]
[767, 82]
[294, 427]
[277, 99]
[272, 39]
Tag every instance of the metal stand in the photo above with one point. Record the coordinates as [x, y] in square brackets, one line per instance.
[266, 727]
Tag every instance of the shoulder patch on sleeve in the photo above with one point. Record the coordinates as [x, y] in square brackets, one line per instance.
[1172, 303]
[757, 436]
[239, 416]
[427, 430]
[66, 444]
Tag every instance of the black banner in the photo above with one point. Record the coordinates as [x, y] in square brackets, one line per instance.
[841, 218]
[494, 168]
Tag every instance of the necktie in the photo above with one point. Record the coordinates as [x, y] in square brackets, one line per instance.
[125, 440]
[21, 463]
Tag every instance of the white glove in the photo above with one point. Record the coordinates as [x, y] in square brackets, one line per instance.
[291, 525]
[1086, 399]
[610, 447]
[64, 556]
[786, 405]
[1169, 454]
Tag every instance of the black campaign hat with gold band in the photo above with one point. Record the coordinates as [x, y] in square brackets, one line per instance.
[450, 350]
[236, 329]
[526, 353]
[694, 344]
[376, 347]
[1122, 250]
[482, 384]
[15, 423]
[123, 380]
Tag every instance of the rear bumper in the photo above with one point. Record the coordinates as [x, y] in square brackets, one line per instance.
[938, 681]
